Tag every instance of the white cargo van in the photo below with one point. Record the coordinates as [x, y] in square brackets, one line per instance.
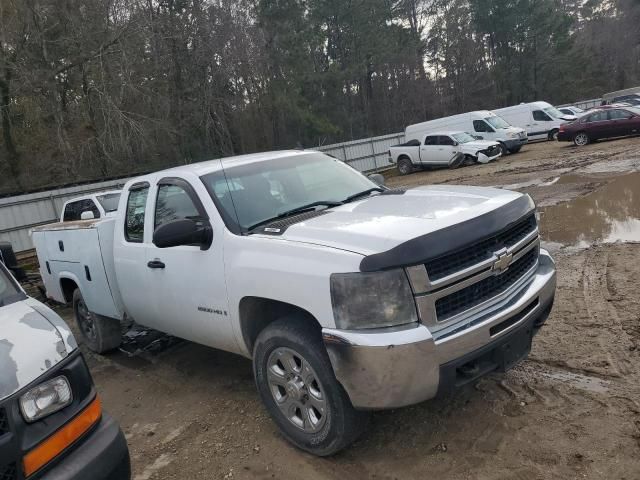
[541, 120]
[483, 124]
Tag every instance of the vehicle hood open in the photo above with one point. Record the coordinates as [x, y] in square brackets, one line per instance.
[406, 223]
[29, 346]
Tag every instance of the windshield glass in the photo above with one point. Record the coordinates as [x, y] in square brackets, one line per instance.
[497, 122]
[554, 112]
[109, 201]
[9, 293]
[463, 137]
[576, 110]
[256, 192]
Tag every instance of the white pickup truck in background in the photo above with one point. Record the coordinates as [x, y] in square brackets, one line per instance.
[449, 149]
[346, 295]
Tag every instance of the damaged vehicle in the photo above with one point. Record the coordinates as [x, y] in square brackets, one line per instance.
[347, 296]
[51, 421]
[449, 149]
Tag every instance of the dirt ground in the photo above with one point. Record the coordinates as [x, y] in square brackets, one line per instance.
[571, 411]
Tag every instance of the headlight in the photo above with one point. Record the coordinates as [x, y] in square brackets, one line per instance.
[45, 399]
[372, 300]
[512, 135]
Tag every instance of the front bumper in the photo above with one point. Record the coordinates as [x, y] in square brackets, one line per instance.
[395, 367]
[102, 455]
[565, 137]
[515, 143]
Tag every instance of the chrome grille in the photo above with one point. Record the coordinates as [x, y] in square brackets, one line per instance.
[481, 251]
[477, 293]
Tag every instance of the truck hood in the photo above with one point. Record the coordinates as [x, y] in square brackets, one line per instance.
[382, 222]
[29, 346]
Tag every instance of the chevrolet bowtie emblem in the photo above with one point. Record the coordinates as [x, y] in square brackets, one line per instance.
[502, 263]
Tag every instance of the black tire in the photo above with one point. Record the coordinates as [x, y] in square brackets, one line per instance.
[515, 150]
[581, 139]
[405, 167]
[553, 135]
[342, 424]
[100, 334]
[504, 149]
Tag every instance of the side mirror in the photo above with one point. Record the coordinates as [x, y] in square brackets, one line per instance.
[183, 231]
[87, 215]
[377, 178]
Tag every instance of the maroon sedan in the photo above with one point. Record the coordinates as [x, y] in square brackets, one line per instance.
[601, 123]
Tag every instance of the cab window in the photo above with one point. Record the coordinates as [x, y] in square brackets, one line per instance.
[73, 210]
[540, 116]
[134, 217]
[431, 141]
[174, 203]
[481, 126]
[445, 140]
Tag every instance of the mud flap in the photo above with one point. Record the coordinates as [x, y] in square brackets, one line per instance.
[482, 158]
[457, 160]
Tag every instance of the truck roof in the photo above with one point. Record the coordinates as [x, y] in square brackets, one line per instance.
[208, 166]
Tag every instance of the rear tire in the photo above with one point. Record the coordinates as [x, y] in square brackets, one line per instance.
[100, 334]
[581, 139]
[297, 385]
[405, 167]
[553, 135]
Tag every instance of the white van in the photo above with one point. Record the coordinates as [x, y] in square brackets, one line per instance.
[482, 124]
[540, 119]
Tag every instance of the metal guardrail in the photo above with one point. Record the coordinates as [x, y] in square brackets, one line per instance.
[584, 104]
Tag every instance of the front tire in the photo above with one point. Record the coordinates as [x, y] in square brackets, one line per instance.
[296, 383]
[503, 149]
[553, 135]
[581, 139]
[515, 150]
[100, 334]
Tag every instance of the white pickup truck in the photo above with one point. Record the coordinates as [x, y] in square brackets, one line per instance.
[347, 296]
[442, 149]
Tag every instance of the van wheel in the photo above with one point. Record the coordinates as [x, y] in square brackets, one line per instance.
[581, 139]
[100, 334]
[405, 167]
[296, 383]
[515, 150]
[503, 149]
[553, 135]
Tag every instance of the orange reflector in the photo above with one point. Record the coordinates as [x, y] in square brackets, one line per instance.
[56, 443]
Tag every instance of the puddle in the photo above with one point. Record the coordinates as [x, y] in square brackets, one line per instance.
[607, 215]
[583, 382]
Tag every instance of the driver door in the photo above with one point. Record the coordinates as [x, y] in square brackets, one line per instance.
[186, 285]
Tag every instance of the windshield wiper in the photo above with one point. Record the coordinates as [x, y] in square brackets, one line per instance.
[362, 194]
[294, 211]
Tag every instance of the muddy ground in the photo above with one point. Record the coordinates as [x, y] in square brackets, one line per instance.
[572, 410]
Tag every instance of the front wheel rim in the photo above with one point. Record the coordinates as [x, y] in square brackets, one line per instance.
[296, 390]
[581, 139]
[404, 169]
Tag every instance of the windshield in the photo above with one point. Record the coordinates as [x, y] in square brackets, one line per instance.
[109, 201]
[463, 137]
[554, 112]
[9, 293]
[256, 192]
[497, 122]
[576, 110]
[635, 110]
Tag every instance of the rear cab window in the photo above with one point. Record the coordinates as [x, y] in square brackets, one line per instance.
[73, 210]
[432, 140]
[445, 140]
[135, 213]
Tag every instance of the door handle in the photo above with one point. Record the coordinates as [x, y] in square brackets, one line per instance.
[155, 264]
